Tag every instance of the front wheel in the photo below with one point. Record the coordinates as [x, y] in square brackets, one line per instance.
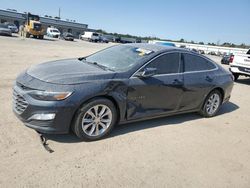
[95, 119]
[211, 104]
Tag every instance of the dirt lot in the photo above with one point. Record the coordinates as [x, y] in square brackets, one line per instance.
[180, 151]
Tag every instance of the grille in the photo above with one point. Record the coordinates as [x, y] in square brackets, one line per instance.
[19, 103]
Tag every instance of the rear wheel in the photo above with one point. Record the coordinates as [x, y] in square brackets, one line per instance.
[211, 104]
[95, 119]
[40, 36]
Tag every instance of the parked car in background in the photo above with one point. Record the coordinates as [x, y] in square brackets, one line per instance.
[67, 36]
[4, 30]
[53, 32]
[103, 39]
[219, 53]
[12, 27]
[226, 59]
[90, 36]
[211, 53]
[194, 50]
[125, 40]
[120, 84]
[201, 51]
[240, 65]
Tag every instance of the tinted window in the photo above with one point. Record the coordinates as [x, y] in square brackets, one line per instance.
[166, 64]
[196, 63]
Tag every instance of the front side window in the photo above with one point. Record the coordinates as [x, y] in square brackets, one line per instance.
[166, 64]
[196, 63]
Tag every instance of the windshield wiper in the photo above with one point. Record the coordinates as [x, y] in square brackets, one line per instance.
[99, 65]
[95, 63]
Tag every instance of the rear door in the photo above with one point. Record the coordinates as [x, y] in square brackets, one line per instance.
[198, 80]
[158, 94]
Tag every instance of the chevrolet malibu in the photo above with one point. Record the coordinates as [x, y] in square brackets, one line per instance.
[123, 83]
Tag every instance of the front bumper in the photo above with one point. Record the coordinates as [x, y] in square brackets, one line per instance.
[6, 33]
[24, 107]
[55, 36]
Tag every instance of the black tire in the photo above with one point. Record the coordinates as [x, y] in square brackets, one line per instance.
[236, 76]
[77, 124]
[40, 36]
[27, 35]
[204, 110]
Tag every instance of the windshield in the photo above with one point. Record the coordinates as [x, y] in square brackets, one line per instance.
[55, 31]
[37, 26]
[119, 58]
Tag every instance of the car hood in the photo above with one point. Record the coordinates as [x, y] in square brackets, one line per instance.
[69, 71]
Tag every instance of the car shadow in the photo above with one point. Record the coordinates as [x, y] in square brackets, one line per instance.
[147, 124]
[245, 81]
[44, 39]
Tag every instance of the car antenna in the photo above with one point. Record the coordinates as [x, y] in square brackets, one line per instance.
[44, 142]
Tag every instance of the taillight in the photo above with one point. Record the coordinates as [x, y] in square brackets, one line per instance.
[231, 58]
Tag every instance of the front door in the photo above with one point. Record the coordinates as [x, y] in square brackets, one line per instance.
[158, 94]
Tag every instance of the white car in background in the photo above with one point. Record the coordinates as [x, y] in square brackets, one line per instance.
[240, 65]
[12, 27]
[90, 36]
[53, 32]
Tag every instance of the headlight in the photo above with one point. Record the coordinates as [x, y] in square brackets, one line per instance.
[50, 96]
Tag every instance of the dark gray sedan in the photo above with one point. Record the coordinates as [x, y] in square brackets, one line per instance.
[4, 30]
[120, 84]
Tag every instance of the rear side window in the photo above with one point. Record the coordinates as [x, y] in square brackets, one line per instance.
[166, 64]
[196, 63]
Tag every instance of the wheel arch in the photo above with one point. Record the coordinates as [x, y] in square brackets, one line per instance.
[221, 90]
[215, 88]
[111, 98]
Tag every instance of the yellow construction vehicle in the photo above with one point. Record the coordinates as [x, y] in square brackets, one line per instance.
[32, 27]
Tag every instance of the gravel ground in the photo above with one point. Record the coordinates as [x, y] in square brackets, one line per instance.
[178, 151]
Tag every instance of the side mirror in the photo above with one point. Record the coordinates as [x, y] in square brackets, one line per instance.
[147, 72]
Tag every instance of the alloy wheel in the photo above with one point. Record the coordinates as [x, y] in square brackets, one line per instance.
[213, 103]
[96, 120]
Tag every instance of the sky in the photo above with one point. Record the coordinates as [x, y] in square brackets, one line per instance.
[215, 21]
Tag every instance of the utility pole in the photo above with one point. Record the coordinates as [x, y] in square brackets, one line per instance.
[59, 15]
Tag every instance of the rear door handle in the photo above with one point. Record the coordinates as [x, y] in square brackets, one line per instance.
[209, 79]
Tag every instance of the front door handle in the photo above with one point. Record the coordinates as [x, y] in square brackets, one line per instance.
[209, 79]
